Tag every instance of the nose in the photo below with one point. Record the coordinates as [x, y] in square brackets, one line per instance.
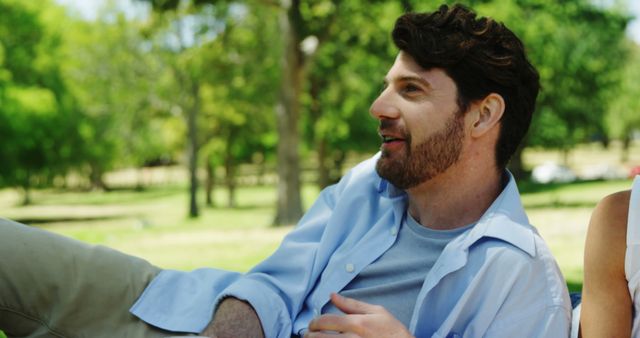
[383, 106]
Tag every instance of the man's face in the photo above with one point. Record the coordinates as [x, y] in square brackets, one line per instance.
[421, 126]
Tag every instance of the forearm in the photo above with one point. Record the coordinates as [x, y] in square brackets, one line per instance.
[234, 318]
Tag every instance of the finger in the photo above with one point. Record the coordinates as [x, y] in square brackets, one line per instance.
[330, 322]
[352, 306]
[329, 335]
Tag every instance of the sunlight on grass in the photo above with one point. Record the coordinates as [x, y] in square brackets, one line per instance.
[152, 224]
[155, 226]
[561, 213]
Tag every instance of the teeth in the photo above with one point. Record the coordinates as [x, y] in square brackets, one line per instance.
[388, 138]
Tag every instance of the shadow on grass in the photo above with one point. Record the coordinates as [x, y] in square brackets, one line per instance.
[113, 196]
[47, 220]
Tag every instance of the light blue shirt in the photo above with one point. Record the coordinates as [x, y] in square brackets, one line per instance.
[395, 279]
[498, 279]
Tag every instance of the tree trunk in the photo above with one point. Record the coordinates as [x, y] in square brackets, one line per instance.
[262, 169]
[230, 177]
[140, 184]
[96, 179]
[315, 113]
[26, 188]
[192, 115]
[338, 165]
[626, 144]
[210, 183]
[289, 205]
[323, 171]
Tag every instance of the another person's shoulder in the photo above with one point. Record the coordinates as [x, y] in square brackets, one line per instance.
[605, 245]
[606, 303]
[609, 218]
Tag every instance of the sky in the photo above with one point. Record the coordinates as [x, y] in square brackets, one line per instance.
[88, 9]
[634, 27]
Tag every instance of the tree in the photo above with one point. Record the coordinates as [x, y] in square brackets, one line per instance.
[240, 93]
[179, 33]
[623, 115]
[344, 78]
[217, 53]
[306, 26]
[577, 48]
[39, 115]
[114, 82]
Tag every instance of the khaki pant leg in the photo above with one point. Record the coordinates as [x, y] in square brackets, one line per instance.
[54, 286]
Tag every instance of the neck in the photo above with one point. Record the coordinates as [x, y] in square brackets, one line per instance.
[455, 198]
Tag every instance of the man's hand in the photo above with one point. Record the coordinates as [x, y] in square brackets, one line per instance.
[234, 318]
[362, 320]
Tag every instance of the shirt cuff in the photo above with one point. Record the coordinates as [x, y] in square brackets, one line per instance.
[270, 307]
[182, 301]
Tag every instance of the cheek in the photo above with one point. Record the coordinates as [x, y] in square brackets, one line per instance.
[421, 128]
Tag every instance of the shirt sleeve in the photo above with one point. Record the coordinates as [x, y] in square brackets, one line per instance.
[505, 293]
[553, 321]
[277, 287]
[181, 301]
[537, 303]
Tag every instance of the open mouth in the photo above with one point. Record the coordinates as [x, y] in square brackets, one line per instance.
[388, 139]
[392, 143]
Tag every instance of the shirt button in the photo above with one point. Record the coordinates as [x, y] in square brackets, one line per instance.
[394, 231]
[349, 267]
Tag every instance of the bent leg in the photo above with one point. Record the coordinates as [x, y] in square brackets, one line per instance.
[54, 286]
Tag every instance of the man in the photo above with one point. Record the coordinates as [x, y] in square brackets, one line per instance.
[426, 239]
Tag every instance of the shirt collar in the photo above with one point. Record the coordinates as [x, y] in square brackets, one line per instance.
[505, 219]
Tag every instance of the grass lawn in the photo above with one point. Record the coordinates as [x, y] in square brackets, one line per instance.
[561, 213]
[152, 224]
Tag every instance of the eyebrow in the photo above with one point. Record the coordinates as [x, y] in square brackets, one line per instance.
[409, 78]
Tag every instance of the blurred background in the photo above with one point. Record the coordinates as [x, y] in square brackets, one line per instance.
[195, 133]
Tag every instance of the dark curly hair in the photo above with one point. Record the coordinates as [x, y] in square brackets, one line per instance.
[482, 56]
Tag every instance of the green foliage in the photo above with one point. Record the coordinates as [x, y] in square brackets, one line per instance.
[91, 96]
[37, 114]
[239, 90]
[115, 82]
[344, 77]
[20, 33]
[623, 117]
[578, 50]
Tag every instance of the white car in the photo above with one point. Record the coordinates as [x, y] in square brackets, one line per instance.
[552, 173]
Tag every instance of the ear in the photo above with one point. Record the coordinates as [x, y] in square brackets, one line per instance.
[487, 115]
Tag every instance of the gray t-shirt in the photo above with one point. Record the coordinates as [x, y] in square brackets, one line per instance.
[395, 278]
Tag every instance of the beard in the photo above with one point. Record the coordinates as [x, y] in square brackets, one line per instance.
[414, 165]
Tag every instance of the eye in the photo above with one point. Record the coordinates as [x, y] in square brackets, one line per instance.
[410, 89]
